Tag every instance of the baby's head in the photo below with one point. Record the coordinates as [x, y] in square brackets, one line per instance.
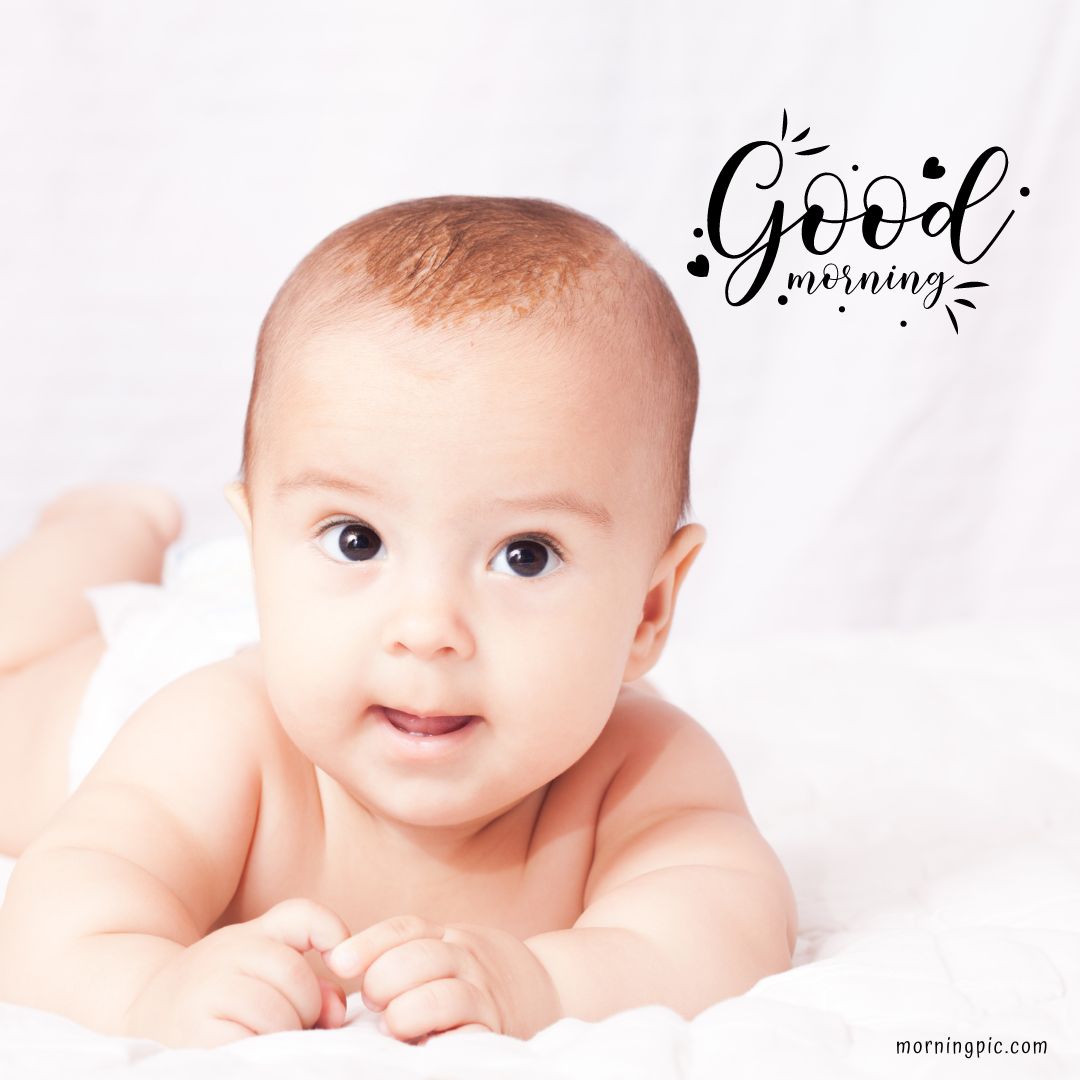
[465, 482]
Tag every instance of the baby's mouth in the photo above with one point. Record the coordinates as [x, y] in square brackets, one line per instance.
[424, 725]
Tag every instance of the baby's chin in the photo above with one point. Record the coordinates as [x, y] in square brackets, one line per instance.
[459, 803]
[455, 816]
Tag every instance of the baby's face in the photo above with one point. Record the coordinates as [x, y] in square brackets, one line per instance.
[449, 525]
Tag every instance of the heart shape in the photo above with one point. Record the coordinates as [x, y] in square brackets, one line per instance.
[699, 267]
[932, 169]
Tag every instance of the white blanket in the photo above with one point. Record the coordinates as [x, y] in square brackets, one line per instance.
[921, 787]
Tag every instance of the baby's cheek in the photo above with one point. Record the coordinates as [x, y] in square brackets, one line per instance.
[296, 681]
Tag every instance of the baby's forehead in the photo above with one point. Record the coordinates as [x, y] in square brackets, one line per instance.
[548, 379]
[540, 357]
[514, 403]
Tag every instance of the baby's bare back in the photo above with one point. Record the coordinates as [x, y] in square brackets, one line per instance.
[203, 814]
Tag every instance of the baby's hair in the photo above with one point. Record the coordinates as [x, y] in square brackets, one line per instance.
[450, 259]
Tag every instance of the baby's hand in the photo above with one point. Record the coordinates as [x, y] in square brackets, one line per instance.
[250, 978]
[428, 979]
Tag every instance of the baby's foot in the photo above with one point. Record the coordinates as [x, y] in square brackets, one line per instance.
[155, 504]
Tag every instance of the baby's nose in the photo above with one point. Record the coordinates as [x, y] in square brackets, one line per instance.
[428, 626]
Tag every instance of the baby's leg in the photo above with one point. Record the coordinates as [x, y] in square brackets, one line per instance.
[49, 642]
[88, 536]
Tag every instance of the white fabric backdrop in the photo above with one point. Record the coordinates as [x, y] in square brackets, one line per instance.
[165, 166]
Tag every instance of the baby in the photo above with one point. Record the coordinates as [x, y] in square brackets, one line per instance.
[439, 778]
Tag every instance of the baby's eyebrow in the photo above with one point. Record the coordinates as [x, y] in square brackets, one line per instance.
[566, 502]
[560, 502]
[314, 479]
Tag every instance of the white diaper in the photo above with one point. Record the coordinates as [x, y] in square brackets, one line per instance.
[203, 611]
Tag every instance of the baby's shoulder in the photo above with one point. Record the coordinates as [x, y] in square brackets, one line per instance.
[287, 780]
[242, 675]
[666, 762]
[650, 750]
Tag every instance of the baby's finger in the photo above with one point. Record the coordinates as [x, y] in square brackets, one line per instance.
[302, 924]
[464, 1029]
[257, 1005]
[288, 972]
[217, 1031]
[437, 1006]
[332, 1014]
[352, 957]
[407, 966]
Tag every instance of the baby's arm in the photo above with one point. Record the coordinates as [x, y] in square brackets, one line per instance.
[141, 860]
[685, 904]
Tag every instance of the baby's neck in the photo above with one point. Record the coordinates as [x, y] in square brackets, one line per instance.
[490, 843]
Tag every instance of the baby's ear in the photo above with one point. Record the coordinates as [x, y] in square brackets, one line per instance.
[237, 499]
[659, 608]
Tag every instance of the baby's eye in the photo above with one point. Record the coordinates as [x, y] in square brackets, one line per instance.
[529, 557]
[355, 542]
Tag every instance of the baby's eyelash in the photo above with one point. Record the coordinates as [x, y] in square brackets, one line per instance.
[328, 525]
[542, 538]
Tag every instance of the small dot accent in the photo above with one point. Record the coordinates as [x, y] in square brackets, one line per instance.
[781, 299]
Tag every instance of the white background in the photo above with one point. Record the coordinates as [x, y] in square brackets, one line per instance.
[164, 166]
